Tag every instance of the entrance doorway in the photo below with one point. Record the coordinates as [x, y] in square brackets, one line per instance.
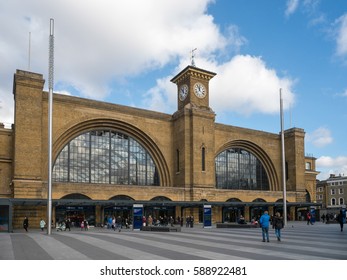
[125, 212]
[231, 214]
[160, 214]
[76, 214]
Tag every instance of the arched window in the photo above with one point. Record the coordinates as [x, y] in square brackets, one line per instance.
[341, 201]
[333, 201]
[104, 156]
[237, 168]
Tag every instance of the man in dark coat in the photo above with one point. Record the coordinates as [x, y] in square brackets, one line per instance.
[26, 223]
[340, 219]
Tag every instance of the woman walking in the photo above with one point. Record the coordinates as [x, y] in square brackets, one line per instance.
[278, 224]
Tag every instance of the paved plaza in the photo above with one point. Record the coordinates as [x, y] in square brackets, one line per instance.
[299, 242]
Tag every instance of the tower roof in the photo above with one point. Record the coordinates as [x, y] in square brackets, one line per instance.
[193, 71]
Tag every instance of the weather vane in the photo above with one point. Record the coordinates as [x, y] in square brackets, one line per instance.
[192, 56]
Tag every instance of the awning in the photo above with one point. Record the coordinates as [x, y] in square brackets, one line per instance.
[184, 204]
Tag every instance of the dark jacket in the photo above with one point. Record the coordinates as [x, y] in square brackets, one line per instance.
[26, 222]
[277, 222]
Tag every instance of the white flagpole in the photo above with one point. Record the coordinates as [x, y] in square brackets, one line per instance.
[283, 164]
[50, 109]
[29, 52]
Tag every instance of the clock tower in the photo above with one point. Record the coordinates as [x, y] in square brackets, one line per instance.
[193, 136]
[193, 87]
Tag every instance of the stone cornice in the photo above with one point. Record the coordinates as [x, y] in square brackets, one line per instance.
[191, 71]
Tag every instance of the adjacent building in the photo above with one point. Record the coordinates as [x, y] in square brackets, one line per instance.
[332, 194]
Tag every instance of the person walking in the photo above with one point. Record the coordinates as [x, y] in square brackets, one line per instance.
[278, 224]
[26, 223]
[308, 218]
[42, 224]
[264, 223]
[340, 219]
[119, 222]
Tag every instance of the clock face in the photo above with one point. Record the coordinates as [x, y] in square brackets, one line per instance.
[183, 92]
[199, 90]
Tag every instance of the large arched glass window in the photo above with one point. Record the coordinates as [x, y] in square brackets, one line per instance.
[237, 168]
[104, 156]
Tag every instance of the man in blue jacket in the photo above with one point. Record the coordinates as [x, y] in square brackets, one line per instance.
[265, 223]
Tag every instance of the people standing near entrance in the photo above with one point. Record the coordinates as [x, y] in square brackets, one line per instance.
[309, 218]
[264, 223]
[150, 221]
[109, 222]
[278, 224]
[241, 220]
[67, 224]
[26, 223]
[171, 221]
[340, 219]
[119, 223]
[187, 221]
[323, 218]
[86, 225]
[42, 224]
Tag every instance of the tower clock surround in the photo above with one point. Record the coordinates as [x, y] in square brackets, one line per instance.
[193, 87]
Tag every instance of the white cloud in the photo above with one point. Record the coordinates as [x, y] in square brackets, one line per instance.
[91, 50]
[162, 97]
[246, 85]
[235, 39]
[320, 137]
[328, 165]
[292, 5]
[341, 39]
[6, 110]
[98, 41]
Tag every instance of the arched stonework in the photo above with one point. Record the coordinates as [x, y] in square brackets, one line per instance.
[260, 154]
[75, 196]
[122, 197]
[160, 198]
[138, 135]
[234, 199]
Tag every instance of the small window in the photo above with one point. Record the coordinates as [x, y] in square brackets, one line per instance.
[340, 191]
[177, 160]
[332, 191]
[203, 166]
[308, 165]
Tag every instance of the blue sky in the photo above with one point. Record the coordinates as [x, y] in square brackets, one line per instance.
[126, 52]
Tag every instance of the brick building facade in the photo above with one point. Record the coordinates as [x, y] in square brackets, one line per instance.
[172, 163]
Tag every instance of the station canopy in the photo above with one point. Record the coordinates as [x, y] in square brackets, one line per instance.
[184, 204]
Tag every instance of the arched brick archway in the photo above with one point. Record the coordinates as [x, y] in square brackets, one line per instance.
[122, 127]
[260, 154]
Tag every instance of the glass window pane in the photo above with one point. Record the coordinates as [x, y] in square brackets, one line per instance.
[104, 156]
[239, 169]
